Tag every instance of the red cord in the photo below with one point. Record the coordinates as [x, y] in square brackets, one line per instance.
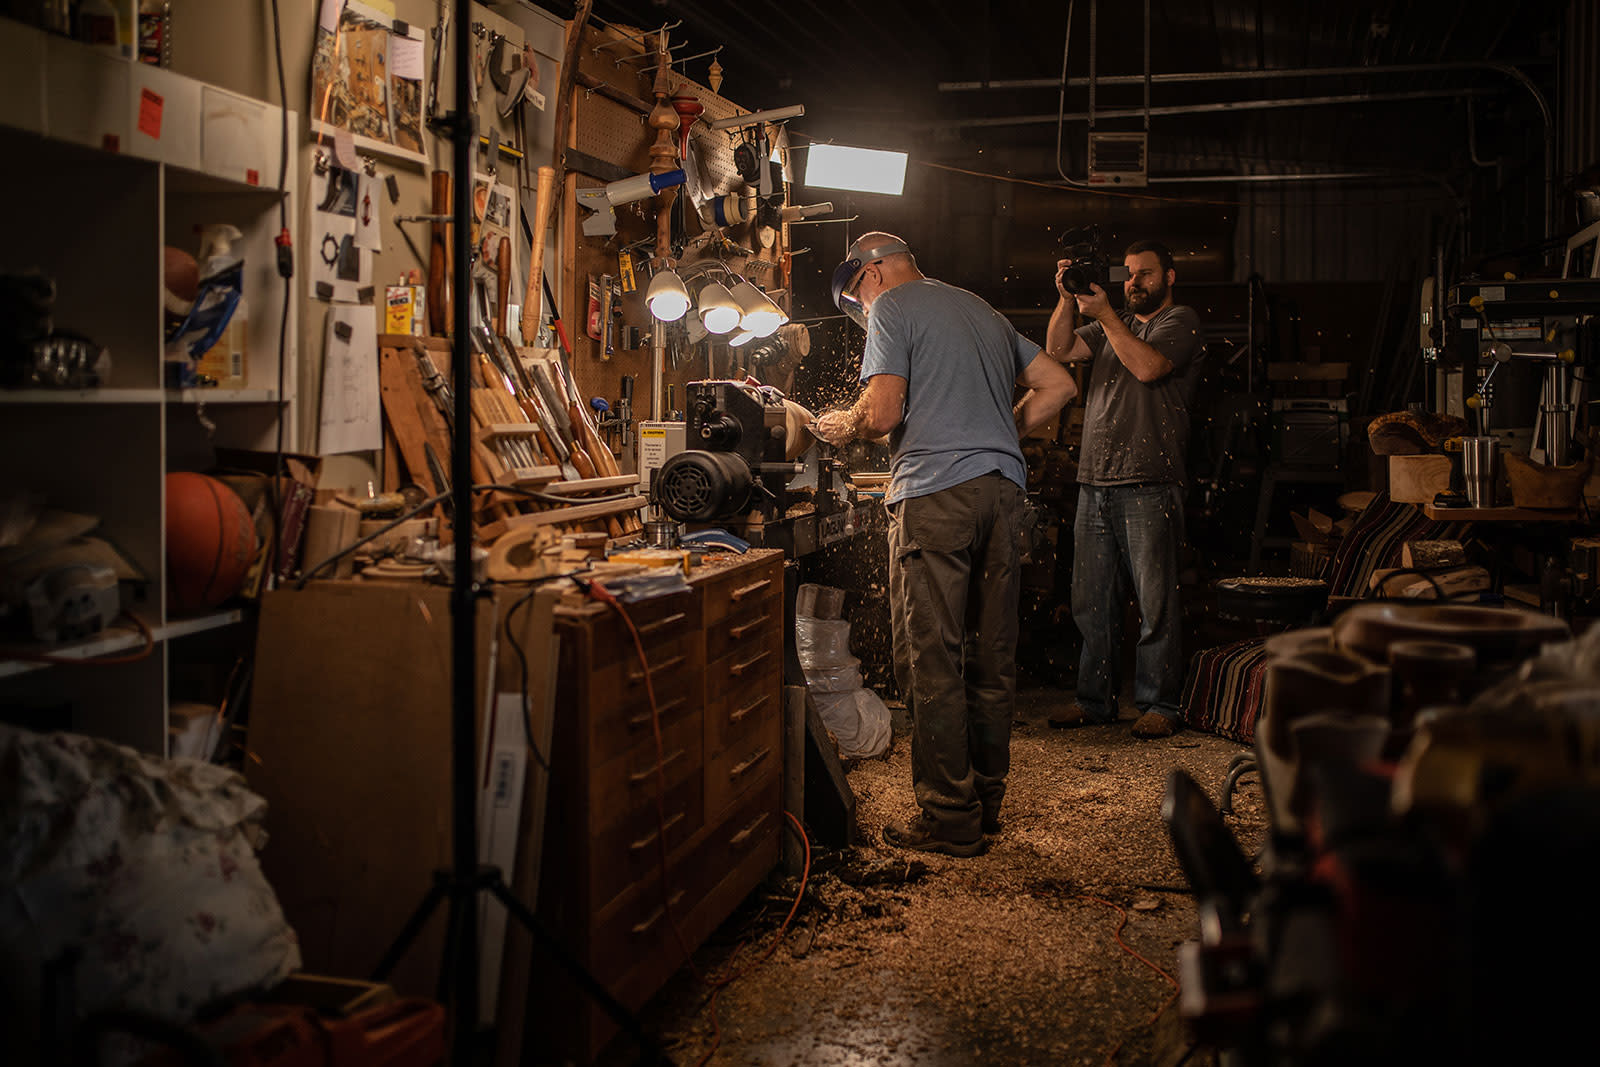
[604, 595]
[1112, 1055]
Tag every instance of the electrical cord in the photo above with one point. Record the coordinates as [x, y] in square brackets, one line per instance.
[286, 272]
[306, 576]
[522, 660]
[777, 939]
[1111, 1056]
[599, 592]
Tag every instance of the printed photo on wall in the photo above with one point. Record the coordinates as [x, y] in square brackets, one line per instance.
[341, 262]
[367, 75]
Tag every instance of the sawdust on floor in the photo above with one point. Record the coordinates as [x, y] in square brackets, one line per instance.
[1056, 947]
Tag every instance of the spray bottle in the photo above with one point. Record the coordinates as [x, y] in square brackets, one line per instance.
[222, 270]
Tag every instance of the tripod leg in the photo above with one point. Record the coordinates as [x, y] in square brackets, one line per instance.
[409, 932]
[650, 1051]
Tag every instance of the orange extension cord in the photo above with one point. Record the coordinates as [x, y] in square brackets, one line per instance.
[1111, 1057]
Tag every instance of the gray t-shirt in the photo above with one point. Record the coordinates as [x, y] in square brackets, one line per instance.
[1136, 432]
[960, 359]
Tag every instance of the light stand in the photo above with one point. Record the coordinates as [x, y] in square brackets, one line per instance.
[458, 887]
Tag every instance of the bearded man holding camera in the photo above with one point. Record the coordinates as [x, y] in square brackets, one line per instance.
[1129, 525]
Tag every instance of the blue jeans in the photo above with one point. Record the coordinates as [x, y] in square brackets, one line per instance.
[1128, 533]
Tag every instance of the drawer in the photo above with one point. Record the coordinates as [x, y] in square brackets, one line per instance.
[739, 715]
[617, 722]
[661, 618]
[629, 850]
[673, 663]
[629, 783]
[753, 626]
[743, 764]
[755, 825]
[728, 593]
[637, 925]
[744, 670]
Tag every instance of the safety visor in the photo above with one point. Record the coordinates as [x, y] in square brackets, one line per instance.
[846, 281]
[847, 276]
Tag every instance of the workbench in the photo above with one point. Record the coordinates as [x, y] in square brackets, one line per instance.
[711, 784]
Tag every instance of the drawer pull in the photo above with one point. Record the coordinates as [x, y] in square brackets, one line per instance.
[738, 669]
[643, 926]
[637, 676]
[647, 839]
[640, 777]
[744, 768]
[668, 620]
[738, 632]
[753, 587]
[742, 838]
[748, 708]
[643, 718]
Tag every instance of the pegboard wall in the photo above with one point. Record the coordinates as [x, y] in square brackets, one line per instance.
[617, 133]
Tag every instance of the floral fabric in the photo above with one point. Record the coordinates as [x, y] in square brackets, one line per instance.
[138, 870]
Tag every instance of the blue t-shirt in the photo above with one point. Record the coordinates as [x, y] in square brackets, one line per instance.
[961, 360]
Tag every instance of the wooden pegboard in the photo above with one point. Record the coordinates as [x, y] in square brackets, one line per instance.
[617, 133]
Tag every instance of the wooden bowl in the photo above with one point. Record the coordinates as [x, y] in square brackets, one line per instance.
[1534, 485]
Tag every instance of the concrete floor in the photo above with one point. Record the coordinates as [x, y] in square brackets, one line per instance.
[1025, 955]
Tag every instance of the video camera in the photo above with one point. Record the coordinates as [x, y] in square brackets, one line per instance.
[1089, 263]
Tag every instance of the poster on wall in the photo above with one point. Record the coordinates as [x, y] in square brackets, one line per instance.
[367, 73]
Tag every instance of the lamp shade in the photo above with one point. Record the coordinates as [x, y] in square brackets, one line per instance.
[718, 312]
[758, 313]
[667, 297]
[740, 337]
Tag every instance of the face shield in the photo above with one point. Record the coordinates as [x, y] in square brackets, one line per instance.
[865, 251]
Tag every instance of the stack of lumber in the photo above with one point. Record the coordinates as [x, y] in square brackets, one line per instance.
[1432, 569]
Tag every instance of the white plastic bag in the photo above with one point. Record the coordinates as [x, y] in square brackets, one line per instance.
[858, 720]
[821, 643]
[840, 679]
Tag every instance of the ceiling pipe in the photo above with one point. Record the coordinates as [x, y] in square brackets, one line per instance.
[1195, 109]
[1505, 69]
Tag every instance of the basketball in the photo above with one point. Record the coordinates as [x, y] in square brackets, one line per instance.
[180, 273]
[211, 542]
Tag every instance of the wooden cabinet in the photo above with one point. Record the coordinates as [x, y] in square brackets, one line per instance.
[107, 162]
[703, 804]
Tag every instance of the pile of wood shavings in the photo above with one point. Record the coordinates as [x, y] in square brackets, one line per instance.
[1009, 958]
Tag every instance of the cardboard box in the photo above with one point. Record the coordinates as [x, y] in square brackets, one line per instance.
[350, 738]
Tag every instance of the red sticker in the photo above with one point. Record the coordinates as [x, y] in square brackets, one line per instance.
[253, 177]
[111, 142]
[150, 105]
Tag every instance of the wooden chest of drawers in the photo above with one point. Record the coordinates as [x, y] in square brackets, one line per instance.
[701, 805]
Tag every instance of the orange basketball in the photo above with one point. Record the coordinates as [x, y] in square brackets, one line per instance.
[211, 542]
[180, 273]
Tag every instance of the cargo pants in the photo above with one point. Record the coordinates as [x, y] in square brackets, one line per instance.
[954, 583]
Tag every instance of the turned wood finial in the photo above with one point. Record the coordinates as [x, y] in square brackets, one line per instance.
[663, 117]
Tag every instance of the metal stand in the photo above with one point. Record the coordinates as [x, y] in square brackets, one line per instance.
[458, 887]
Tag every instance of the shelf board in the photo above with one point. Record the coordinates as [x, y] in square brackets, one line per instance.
[222, 396]
[1497, 514]
[81, 396]
[120, 639]
[138, 396]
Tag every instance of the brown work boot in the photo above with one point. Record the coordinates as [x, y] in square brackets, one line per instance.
[922, 835]
[1153, 724]
[1074, 716]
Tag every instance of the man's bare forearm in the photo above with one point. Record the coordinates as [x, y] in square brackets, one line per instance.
[1061, 335]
